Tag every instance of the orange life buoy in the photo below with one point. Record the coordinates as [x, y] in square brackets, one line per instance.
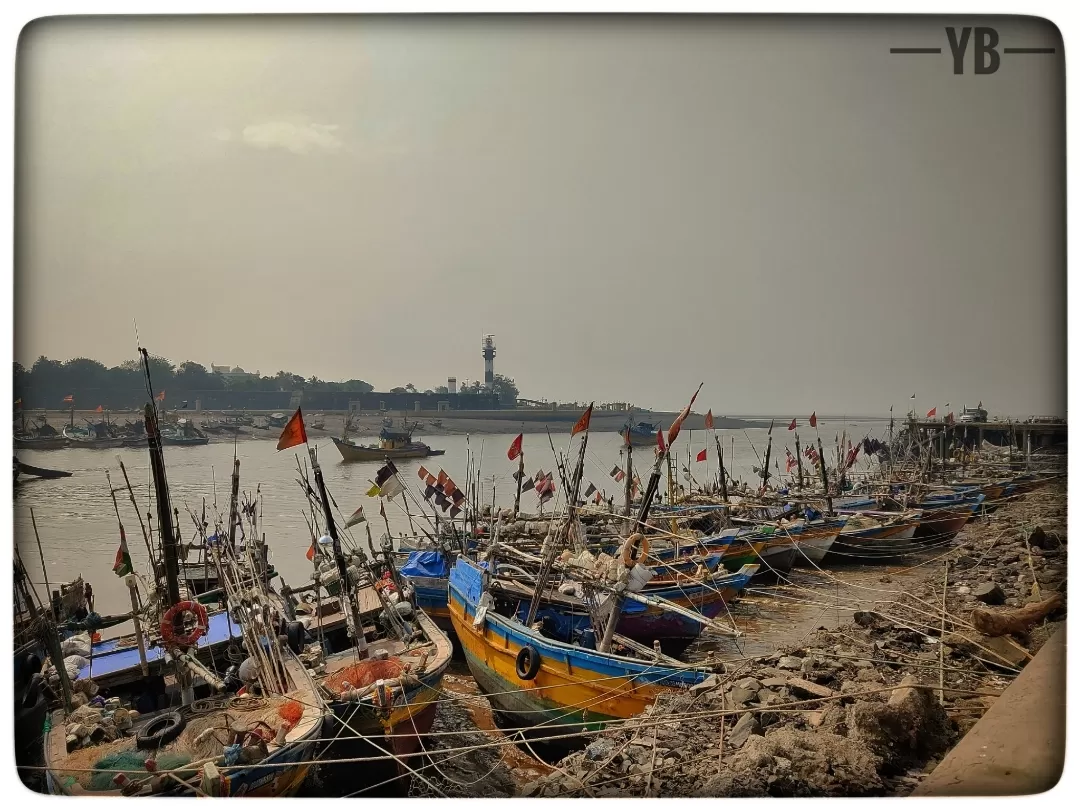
[628, 546]
[168, 632]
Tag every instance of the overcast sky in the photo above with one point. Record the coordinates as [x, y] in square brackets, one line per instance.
[782, 209]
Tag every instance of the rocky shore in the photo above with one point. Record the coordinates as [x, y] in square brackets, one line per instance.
[867, 709]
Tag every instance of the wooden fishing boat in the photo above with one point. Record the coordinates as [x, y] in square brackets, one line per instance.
[182, 741]
[876, 537]
[565, 616]
[38, 472]
[392, 444]
[92, 439]
[533, 680]
[386, 703]
[641, 434]
[183, 434]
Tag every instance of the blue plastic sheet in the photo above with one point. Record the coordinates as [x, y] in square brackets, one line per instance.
[426, 564]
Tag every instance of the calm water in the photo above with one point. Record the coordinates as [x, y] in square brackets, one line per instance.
[78, 526]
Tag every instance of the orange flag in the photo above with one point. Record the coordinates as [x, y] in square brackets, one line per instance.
[161, 396]
[99, 409]
[69, 398]
[515, 447]
[583, 422]
[709, 420]
[294, 432]
[676, 426]
[311, 550]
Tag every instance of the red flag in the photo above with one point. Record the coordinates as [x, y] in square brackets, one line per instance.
[792, 426]
[660, 441]
[701, 456]
[430, 480]
[709, 420]
[598, 498]
[583, 422]
[311, 550]
[515, 447]
[99, 409]
[930, 414]
[69, 398]
[813, 419]
[294, 432]
[676, 426]
[449, 488]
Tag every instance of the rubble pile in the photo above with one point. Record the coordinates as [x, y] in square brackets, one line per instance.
[856, 710]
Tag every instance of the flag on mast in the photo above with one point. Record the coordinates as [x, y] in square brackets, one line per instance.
[792, 426]
[702, 455]
[813, 419]
[676, 426]
[583, 422]
[709, 420]
[122, 565]
[294, 432]
[515, 447]
[69, 398]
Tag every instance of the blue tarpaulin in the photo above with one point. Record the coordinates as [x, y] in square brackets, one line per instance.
[426, 564]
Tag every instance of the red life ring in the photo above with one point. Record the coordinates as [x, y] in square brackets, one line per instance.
[168, 632]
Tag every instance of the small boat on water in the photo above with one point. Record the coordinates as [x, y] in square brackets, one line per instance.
[393, 444]
[30, 471]
[95, 436]
[641, 434]
[42, 436]
[183, 434]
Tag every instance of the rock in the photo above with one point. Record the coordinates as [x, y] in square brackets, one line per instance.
[774, 683]
[963, 590]
[885, 579]
[1037, 538]
[790, 662]
[793, 762]
[862, 663]
[741, 695]
[865, 618]
[600, 748]
[808, 689]
[753, 684]
[909, 728]
[989, 593]
[869, 676]
[747, 725]
[964, 562]
[710, 683]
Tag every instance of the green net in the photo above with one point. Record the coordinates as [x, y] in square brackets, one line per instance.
[131, 763]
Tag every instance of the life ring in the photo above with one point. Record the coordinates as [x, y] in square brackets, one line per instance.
[628, 547]
[527, 663]
[161, 730]
[168, 630]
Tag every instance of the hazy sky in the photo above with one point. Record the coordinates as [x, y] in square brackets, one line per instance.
[782, 209]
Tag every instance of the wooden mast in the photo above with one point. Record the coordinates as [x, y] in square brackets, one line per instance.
[798, 457]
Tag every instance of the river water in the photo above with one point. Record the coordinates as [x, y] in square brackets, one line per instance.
[78, 527]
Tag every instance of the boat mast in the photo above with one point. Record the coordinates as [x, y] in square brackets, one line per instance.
[629, 477]
[339, 558]
[723, 472]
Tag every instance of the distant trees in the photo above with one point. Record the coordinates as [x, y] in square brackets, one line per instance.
[505, 388]
[47, 382]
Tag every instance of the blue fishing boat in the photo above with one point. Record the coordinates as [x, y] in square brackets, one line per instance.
[641, 434]
[532, 680]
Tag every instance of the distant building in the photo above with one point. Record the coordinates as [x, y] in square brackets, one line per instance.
[234, 373]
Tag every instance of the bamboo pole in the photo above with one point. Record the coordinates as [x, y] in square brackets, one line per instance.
[41, 553]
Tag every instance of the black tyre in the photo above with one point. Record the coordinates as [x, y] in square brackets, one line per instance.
[528, 663]
[33, 691]
[160, 731]
[295, 632]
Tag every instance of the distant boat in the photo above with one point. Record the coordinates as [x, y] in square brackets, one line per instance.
[40, 437]
[641, 434]
[37, 472]
[183, 434]
[93, 437]
[394, 444]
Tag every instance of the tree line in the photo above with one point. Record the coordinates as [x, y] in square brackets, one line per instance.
[47, 382]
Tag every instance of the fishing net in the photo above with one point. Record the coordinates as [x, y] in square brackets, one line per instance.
[131, 763]
[364, 674]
